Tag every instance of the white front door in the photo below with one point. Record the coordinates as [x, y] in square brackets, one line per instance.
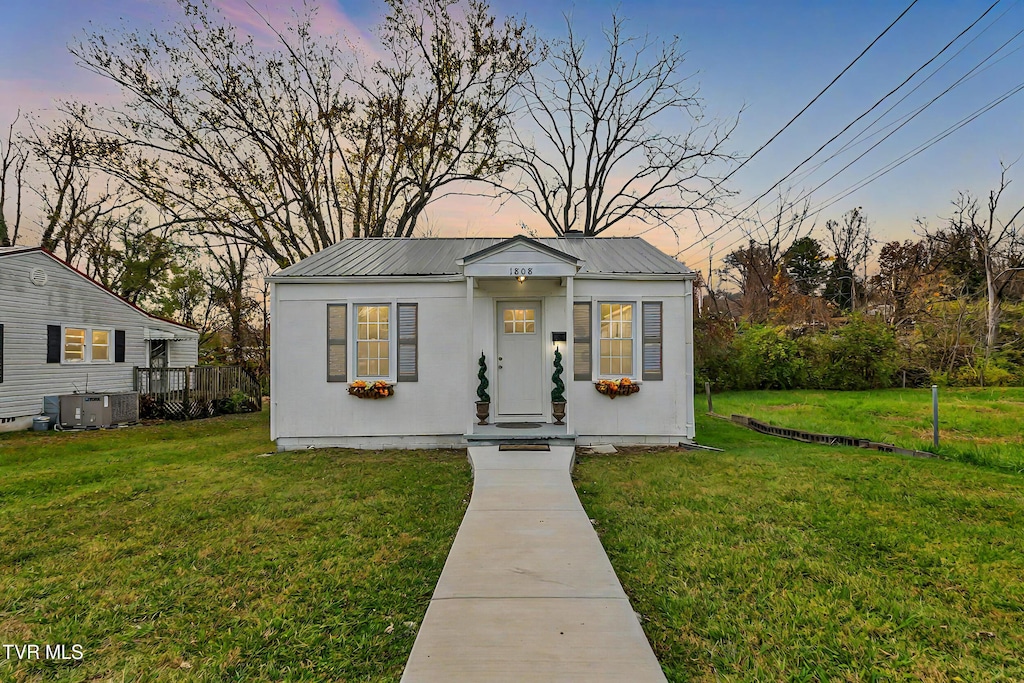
[520, 360]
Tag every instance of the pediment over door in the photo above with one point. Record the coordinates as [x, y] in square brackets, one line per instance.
[520, 256]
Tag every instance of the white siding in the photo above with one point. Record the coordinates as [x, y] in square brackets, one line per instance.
[67, 298]
[439, 408]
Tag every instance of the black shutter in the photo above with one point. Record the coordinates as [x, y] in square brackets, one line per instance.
[53, 343]
[408, 342]
[118, 346]
[582, 343]
[337, 337]
[652, 330]
[1, 354]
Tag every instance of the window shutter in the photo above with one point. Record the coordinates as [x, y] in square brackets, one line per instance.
[53, 343]
[1, 354]
[408, 342]
[337, 329]
[118, 346]
[582, 344]
[652, 325]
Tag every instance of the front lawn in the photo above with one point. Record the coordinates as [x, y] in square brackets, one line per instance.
[982, 426]
[173, 552]
[777, 560]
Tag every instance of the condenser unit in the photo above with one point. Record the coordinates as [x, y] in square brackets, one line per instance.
[92, 411]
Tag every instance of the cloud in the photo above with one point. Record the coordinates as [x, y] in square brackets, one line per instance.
[252, 17]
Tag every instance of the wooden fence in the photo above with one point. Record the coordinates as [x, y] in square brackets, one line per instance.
[194, 392]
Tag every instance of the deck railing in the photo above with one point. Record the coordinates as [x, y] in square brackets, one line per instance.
[200, 391]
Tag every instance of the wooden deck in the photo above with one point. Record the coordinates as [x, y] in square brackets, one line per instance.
[195, 392]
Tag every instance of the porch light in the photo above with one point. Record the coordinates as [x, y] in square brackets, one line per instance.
[521, 279]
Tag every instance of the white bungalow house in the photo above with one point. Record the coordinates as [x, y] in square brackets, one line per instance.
[62, 332]
[416, 315]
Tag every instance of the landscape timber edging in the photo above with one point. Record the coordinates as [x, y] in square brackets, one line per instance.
[827, 439]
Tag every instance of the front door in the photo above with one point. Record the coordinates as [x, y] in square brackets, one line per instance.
[520, 360]
[158, 361]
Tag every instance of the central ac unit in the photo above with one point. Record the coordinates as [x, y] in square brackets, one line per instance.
[92, 411]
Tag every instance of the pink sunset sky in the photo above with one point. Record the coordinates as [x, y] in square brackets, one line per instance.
[766, 58]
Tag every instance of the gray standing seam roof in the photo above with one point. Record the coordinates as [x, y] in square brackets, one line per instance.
[361, 257]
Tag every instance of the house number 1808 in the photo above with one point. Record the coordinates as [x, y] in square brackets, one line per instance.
[520, 270]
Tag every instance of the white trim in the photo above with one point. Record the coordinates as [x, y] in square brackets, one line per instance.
[595, 312]
[392, 375]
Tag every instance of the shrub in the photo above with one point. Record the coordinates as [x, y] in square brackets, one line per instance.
[861, 355]
[763, 357]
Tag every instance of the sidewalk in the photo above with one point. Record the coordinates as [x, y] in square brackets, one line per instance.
[527, 592]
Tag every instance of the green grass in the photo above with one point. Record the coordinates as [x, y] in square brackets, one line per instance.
[784, 561]
[172, 552]
[981, 426]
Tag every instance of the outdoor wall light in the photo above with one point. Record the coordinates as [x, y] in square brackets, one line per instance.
[521, 279]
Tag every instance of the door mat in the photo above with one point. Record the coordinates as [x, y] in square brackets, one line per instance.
[517, 425]
[524, 447]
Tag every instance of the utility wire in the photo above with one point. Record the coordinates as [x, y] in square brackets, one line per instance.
[907, 119]
[849, 125]
[891, 166]
[860, 137]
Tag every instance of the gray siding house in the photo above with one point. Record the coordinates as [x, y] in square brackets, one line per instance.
[61, 332]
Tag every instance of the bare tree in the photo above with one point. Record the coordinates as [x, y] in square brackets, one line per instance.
[851, 245]
[13, 159]
[592, 150]
[997, 243]
[429, 116]
[75, 198]
[755, 267]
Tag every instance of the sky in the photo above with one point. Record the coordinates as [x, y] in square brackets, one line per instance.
[761, 60]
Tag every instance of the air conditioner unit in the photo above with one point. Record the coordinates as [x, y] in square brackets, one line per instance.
[92, 411]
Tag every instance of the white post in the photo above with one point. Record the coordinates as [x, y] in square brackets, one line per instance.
[569, 364]
[471, 353]
[935, 416]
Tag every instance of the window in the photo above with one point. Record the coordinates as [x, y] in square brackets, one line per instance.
[520, 321]
[79, 345]
[373, 341]
[74, 345]
[616, 348]
[101, 345]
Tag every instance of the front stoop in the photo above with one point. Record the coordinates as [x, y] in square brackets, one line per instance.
[527, 592]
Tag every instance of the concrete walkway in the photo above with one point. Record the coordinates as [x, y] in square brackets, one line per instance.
[527, 592]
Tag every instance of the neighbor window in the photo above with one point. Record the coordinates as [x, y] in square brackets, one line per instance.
[101, 345]
[85, 345]
[616, 348]
[74, 345]
[373, 341]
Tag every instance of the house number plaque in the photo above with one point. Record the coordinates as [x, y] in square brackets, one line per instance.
[520, 270]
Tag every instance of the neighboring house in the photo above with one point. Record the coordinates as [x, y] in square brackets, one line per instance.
[418, 313]
[62, 332]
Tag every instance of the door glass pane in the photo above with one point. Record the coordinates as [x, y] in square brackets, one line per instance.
[519, 321]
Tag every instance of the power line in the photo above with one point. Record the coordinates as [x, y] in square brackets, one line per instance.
[816, 97]
[848, 126]
[891, 166]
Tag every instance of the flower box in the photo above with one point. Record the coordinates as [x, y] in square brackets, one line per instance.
[379, 389]
[611, 389]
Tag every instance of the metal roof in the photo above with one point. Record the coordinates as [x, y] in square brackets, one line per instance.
[4, 251]
[425, 256]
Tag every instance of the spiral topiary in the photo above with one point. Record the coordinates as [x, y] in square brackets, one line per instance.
[558, 393]
[481, 390]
